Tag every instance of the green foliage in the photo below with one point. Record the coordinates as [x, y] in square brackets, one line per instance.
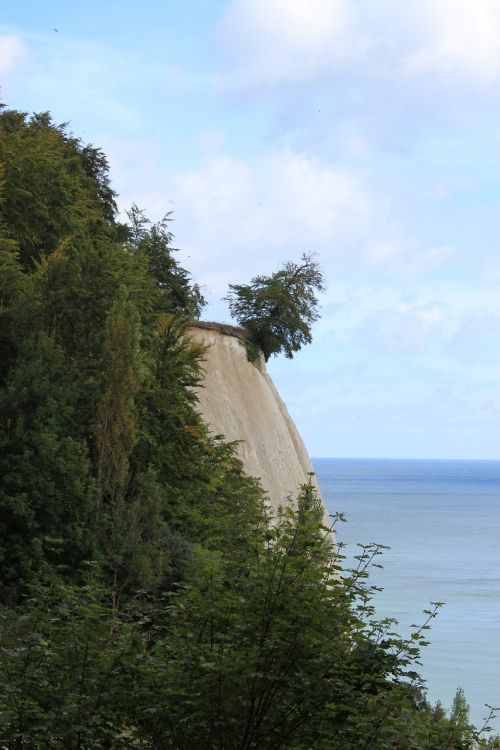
[154, 241]
[47, 493]
[53, 185]
[262, 646]
[10, 273]
[116, 427]
[73, 307]
[11, 284]
[277, 311]
[254, 352]
[67, 664]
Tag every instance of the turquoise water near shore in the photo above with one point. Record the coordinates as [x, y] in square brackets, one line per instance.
[441, 520]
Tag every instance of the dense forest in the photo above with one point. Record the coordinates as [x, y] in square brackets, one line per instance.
[147, 597]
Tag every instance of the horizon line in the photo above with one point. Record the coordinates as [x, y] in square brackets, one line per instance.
[399, 458]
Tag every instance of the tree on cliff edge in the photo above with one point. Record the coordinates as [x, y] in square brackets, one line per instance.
[278, 310]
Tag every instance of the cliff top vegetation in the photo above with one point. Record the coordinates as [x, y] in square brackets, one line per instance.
[277, 311]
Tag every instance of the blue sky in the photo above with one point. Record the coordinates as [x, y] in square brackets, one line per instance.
[367, 133]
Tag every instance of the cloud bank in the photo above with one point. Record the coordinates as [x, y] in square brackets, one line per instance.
[268, 42]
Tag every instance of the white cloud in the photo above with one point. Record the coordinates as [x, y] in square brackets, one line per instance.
[390, 316]
[13, 51]
[404, 253]
[276, 40]
[405, 328]
[257, 214]
[427, 318]
[461, 38]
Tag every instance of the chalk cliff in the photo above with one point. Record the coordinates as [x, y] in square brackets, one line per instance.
[239, 400]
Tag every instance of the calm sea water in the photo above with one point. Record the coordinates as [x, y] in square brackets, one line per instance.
[441, 520]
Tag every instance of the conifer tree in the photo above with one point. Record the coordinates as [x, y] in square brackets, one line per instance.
[53, 185]
[47, 493]
[116, 426]
[176, 293]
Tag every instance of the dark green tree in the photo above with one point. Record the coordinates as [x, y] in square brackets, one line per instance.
[177, 294]
[47, 492]
[66, 665]
[132, 531]
[277, 311]
[116, 424]
[54, 186]
[11, 284]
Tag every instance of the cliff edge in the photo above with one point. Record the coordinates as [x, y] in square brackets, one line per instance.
[239, 400]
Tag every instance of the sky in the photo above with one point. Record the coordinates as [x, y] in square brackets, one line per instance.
[366, 133]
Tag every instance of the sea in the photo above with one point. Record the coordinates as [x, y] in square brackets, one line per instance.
[441, 521]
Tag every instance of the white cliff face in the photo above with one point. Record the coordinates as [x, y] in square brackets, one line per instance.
[238, 400]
